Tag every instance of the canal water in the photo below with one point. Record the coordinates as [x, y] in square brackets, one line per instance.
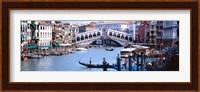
[70, 62]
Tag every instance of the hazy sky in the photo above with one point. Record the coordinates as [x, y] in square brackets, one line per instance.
[80, 22]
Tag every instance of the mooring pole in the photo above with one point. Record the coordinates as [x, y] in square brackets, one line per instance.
[137, 55]
[142, 61]
[104, 65]
[118, 63]
[130, 63]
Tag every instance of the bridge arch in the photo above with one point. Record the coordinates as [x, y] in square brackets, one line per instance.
[126, 37]
[122, 37]
[118, 35]
[110, 33]
[98, 33]
[82, 37]
[130, 38]
[86, 36]
[115, 34]
[94, 35]
[90, 35]
[78, 38]
[108, 42]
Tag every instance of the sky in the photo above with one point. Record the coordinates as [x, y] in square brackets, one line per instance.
[80, 22]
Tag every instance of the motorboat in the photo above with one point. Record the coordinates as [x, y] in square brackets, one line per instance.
[35, 57]
[81, 49]
[109, 49]
[124, 53]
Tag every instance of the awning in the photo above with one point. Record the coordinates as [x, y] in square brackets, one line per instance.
[32, 46]
[56, 44]
[45, 47]
[25, 48]
[22, 36]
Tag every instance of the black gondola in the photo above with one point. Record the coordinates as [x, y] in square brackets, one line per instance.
[96, 66]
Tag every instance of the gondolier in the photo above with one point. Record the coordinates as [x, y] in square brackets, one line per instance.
[90, 61]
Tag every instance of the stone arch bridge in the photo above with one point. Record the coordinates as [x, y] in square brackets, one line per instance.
[100, 36]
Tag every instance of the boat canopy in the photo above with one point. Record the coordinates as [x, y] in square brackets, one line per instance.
[67, 44]
[139, 47]
[56, 44]
[32, 46]
[128, 49]
[22, 36]
[45, 47]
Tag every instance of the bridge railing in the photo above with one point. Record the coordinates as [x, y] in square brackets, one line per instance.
[89, 32]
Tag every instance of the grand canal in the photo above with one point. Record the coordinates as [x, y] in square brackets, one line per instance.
[70, 62]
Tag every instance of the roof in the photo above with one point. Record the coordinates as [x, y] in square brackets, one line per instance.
[113, 22]
[128, 49]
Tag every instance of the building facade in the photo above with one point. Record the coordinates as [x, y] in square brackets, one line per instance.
[168, 32]
[119, 26]
[143, 32]
[35, 33]
[44, 34]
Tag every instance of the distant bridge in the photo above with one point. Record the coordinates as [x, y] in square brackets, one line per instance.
[105, 34]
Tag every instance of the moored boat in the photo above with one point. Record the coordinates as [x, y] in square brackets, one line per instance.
[109, 49]
[81, 49]
[35, 57]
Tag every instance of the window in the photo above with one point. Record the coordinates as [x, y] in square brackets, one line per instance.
[22, 28]
[152, 26]
[28, 26]
[161, 27]
[37, 27]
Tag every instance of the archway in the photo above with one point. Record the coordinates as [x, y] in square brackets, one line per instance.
[122, 37]
[98, 34]
[115, 34]
[118, 36]
[109, 42]
[130, 39]
[86, 36]
[94, 35]
[82, 37]
[78, 38]
[110, 33]
[90, 35]
[126, 37]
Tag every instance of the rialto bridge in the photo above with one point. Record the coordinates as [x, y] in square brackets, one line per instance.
[104, 36]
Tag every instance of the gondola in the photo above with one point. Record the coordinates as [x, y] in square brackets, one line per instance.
[95, 66]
